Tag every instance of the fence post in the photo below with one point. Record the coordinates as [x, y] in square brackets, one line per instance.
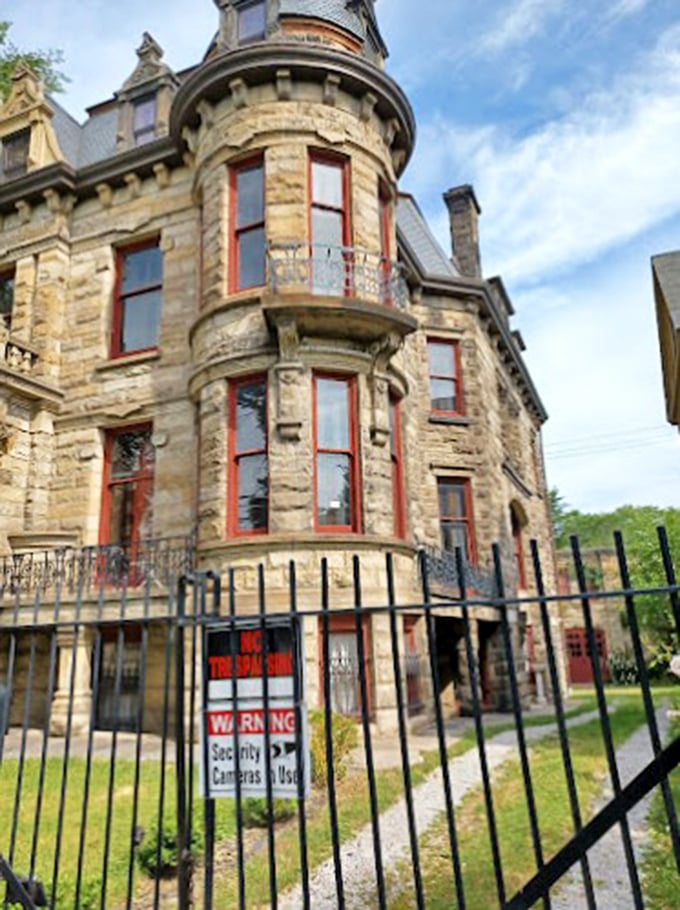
[184, 862]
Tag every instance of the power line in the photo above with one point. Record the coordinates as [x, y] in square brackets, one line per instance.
[634, 431]
[602, 449]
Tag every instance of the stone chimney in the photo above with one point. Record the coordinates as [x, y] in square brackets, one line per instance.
[464, 212]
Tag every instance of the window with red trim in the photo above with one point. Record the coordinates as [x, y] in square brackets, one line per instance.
[398, 499]
[6, 299]
[128, 486]
[335, 456]
[248, 240]
[518, 546]
[248, 507]
[330, 224]
[455, 516]
[144, 119]
[446, 387]
[344, 669]
[412, 661]
[138, 298]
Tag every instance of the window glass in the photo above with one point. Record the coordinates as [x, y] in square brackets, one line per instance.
[332, 414]
[248, 506]
[141, 320]
[251, 258]
[344, 672]
[442, 394]
[327, 184]
[445, 387]
[144, 127]
[142, 268]
[252, 21]
[138, 305]
[251, 416]
[15, 154]
[252, 493]
[250, 196]
[333, 489]
[129, 489]
[6, 300]
[454, 516]
[441, 358]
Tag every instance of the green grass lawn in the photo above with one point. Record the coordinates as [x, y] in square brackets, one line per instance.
[353, 808]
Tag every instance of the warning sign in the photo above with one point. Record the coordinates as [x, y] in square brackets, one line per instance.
[244, 741]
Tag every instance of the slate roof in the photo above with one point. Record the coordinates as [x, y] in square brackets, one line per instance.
[420, 242]
[83, 145]
[334, 11]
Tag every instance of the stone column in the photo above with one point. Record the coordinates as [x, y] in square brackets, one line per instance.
[82, 693]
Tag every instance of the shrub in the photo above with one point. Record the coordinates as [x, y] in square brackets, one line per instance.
[168, 858]
[344, 741]
[256, 815]
[623, 669]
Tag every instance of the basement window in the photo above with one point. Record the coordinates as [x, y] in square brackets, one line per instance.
[15, 154]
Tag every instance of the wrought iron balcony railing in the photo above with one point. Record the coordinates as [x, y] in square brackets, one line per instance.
[337, 271]
[157, 563]
[443, 571]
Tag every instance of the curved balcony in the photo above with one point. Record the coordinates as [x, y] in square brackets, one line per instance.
[341, 290]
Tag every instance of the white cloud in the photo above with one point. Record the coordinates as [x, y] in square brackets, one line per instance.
[518, 23]
[575, 186]
[624, 8]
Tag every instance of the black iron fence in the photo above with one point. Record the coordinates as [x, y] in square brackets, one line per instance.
[406, 808]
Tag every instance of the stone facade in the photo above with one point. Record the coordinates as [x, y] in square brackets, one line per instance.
[87, 193]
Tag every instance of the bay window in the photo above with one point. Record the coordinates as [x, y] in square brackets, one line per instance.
[336, 469]
[248, 505]
[247, 226]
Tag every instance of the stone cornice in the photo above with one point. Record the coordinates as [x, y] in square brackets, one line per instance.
[24, 386]
[259, 64]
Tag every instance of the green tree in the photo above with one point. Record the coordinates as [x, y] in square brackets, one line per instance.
[45, 64]
[638, 526]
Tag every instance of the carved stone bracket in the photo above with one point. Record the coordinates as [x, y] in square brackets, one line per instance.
[290, 404]
[381, 352]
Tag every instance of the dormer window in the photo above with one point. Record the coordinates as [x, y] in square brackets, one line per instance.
[144, 122]
[15, 154]
[252, 21]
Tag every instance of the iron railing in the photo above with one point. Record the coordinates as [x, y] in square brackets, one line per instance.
[338, 271]
[445, 573]
[158, 562]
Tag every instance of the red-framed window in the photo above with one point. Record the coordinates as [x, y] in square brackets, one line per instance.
[398, 497]
[15, 149]
[518, 548]
[126, 516]
[137, 299]
[144, 111]
[248, 240]
[455, 516]
[345, 667]
[248, 506]
[6, 298]
[251, 21]
[329, 223]
[336, 477]
[446, 385]
[412, 663]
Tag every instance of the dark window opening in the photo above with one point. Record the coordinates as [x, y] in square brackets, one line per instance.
[252, 21]
[15, 154]
[6, 300]
[248, 508]
[144, 120]
[248, 266]
[137, 306]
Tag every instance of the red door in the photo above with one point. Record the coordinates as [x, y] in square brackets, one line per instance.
[580, 666]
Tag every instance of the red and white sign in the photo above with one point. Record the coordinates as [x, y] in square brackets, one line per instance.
[243, 741]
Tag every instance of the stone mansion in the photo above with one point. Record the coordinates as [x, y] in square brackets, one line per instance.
[225, 333]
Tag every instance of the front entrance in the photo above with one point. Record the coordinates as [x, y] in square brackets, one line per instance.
[578, 653]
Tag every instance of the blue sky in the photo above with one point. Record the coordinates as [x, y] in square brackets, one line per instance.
[565, 115]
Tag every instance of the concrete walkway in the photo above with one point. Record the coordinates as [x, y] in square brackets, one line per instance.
[357, 855]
